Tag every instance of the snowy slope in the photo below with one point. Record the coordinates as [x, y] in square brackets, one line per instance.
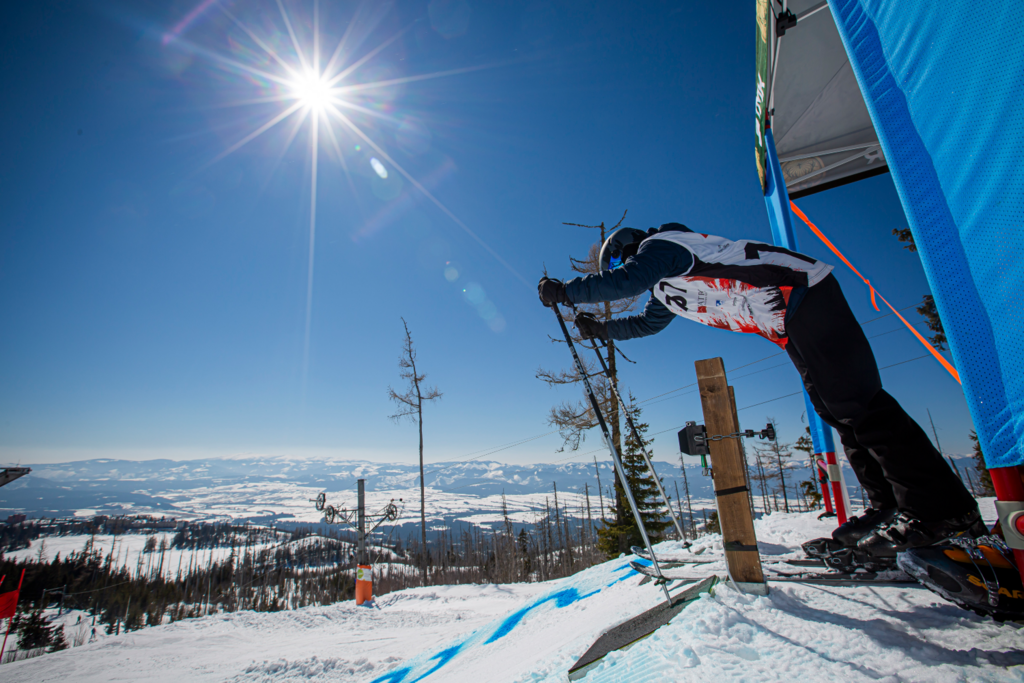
[535, 632]
[337, 643]
[832, 634]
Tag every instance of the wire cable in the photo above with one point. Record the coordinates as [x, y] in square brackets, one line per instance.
[476, 455]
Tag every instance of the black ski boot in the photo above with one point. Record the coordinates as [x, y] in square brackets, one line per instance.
[905, 532]
[859, 526]
[847, 535]
[976, 574]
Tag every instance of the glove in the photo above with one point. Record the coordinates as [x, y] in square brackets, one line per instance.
[552, 292]
[590, 327]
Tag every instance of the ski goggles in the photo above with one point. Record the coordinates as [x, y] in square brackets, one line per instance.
[616, 260]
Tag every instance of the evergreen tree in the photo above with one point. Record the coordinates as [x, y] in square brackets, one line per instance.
[985, 487]
[711, 525]
[809, 487]
[771, 459]
[931, 315]
[621, 531]
[57, 640]
[34, 631]
[927, 308]
[805, 443]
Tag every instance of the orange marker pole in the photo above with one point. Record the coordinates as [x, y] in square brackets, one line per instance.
[364, 583]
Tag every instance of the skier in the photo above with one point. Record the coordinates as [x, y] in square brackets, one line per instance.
[795, 302]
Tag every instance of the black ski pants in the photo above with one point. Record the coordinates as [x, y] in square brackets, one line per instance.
[893, 458]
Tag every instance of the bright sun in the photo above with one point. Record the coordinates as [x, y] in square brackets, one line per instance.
[312, 90]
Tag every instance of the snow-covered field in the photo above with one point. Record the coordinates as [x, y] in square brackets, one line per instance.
[248, 500]
[267, 489]
[535, 632]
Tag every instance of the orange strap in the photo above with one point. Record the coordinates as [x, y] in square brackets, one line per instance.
[938, 356]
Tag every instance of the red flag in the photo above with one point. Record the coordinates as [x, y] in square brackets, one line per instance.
[8, 601]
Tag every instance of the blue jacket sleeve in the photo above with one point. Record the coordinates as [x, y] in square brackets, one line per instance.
[655, 317]
[654, 261]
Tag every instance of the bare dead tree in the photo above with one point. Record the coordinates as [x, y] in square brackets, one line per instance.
[762, 477]
[600, 493]
[686, 488]
[410, 405]
[575, 417]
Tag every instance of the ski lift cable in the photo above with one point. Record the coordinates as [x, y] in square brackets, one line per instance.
[771, 400]
[646, 400]
[578, 455]
[478, 454]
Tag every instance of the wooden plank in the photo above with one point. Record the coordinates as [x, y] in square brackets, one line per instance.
[628, 633]
[729, 476]
[746, 470]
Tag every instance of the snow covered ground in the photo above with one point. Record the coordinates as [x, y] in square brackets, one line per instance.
[535, 632]
[337, 643]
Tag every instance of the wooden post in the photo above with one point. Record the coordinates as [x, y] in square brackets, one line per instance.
[729, 478]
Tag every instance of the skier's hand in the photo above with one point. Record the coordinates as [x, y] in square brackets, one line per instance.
[590, 327]
[551, 292]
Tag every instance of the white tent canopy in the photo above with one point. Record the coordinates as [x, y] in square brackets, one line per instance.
[823, 132]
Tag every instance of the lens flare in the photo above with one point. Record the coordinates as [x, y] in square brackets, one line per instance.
[288, 70]
[379, 168]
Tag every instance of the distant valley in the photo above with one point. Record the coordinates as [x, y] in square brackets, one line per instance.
[279, 489]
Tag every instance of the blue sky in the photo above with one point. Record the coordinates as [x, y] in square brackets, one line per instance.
[153, 295]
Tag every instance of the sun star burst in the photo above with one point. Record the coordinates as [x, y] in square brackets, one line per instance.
[312, 90]
[323, 97]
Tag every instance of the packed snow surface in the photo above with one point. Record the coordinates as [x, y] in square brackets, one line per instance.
[535, 632]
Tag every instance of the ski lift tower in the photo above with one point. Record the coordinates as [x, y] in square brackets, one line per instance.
[357, 521]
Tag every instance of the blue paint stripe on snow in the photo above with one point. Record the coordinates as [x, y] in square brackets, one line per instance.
[561, 598]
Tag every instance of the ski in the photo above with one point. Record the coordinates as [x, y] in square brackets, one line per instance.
[677, 557]
[671, 556]
[670, 573]
[810, 562]
[683, 573]
[846, 580]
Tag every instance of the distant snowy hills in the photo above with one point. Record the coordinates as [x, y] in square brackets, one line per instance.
[279, 488]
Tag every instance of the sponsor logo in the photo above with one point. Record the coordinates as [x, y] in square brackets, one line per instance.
[1015, 594]
[758, 108]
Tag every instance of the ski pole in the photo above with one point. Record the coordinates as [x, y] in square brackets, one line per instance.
[636, 435]
[614, 452]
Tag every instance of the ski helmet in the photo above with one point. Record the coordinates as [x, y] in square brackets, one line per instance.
[619, 246]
